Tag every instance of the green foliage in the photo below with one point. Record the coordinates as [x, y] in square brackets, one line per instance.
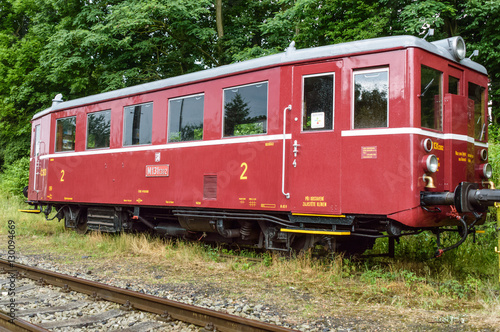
[494, 160]
[15, 176]
[473, 259]
[315, 23]
[419, 16]
[479, 22]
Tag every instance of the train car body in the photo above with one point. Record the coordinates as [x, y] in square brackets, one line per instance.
[345, 142]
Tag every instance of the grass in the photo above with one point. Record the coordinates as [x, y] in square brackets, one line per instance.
[463, 279]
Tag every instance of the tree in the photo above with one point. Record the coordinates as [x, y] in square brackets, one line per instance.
[315, 23]
[83, 47]
[480, 23]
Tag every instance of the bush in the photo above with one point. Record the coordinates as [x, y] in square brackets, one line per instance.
[16, 176]
[494, 160]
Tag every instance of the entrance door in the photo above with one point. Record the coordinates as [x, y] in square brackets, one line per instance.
[315, 156]
[36, 159]
[38, 165]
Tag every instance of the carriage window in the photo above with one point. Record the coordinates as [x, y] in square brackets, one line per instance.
[185, 119]
[65, 134]
[371, 106]
[98, 129]
[317, 113]
[245, 110]
[453, 85]
[138, 124]
[431, 96]
[477, 94]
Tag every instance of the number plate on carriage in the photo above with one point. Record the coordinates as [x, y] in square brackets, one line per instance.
[157, 170]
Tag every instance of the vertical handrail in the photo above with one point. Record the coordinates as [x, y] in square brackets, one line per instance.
[37, 147]
[287, 195]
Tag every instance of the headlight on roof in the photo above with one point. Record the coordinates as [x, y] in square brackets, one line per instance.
[454, 45]
[458, 48]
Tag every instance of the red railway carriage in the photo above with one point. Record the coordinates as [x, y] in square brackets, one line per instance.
[336, 145]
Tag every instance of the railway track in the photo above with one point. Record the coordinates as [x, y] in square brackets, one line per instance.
[152, 312]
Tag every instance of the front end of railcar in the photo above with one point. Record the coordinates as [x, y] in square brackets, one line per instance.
[455, 171]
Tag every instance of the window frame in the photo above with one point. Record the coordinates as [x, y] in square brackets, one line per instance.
[87, 131]
[124, 123]
[224, 107]
[333, 101]
[203, 116]
[56, 135]
[358, 71]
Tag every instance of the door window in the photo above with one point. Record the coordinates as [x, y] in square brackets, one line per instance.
[317, 102]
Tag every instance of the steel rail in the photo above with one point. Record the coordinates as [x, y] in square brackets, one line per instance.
[130, 299]
[8, 323]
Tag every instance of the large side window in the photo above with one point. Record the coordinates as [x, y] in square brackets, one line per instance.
[65, 134]
[185, 118]
[371, 98]
[245, 110]
[138, 124]
[477, 94]
[98, 129]
[431, 96]
[317, 108]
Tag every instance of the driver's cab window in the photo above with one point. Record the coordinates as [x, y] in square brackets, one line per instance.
[431, 97]
[478, 94]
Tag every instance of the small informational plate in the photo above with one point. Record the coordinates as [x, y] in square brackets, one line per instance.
[368, 152]
[157, 171]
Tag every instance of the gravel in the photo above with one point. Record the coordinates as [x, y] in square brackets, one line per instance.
[211, 296]
[198, 295]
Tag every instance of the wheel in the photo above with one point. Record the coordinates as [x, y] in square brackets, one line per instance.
[353, 245]
[76, 218]
[303, 242]
[81, 222]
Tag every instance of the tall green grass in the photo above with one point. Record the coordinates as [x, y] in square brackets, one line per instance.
[414, 253]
